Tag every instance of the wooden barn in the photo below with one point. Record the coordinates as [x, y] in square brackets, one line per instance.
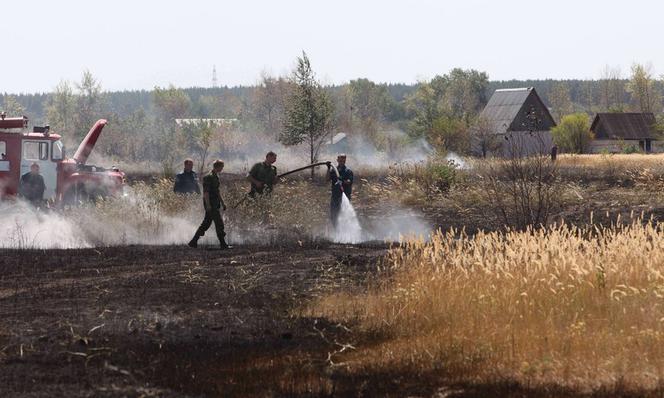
[618, 132]
[520, 122]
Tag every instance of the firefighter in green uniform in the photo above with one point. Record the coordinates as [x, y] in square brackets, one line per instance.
[213, 204]
[263, 175]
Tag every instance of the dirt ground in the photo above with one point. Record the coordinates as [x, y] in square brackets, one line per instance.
[149, 321]
[169, 321]
[143, 321]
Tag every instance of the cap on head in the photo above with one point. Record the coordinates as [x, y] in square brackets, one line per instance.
[218, 164]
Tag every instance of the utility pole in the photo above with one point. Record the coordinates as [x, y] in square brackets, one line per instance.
[214, 76]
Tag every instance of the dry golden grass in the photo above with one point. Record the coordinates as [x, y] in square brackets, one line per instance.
[577, 308]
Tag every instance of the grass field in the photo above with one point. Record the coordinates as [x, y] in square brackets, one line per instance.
[578, 308]
[573, 307]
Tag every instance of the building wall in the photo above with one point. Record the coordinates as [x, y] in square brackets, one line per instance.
[524, 143]
[617, 146]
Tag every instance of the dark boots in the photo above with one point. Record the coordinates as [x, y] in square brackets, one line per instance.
[194, 243]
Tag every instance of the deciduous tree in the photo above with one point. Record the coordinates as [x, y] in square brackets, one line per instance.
[483, 136]
[560, 100]
[12, 107]
[270, 102]
[612, 89]
[573, 133]
[61, 109]
[89, 103]
[308, 113]
[642, 88]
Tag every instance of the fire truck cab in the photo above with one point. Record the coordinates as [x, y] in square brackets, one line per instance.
[66, 180]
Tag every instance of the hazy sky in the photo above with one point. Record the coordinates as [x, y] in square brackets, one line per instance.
[144, 43]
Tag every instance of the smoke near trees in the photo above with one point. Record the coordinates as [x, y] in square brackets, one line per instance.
[298, 110]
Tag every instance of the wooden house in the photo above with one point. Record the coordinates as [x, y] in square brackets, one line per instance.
[520, 122]
[618, 132]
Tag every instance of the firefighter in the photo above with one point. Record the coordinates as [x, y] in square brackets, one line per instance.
[342, 184]
[213, 203]
[32, 186]
[187, 181]
[263, 175]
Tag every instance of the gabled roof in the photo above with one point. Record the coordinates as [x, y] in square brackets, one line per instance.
[337, 138]
[505, 105]
[629, 126]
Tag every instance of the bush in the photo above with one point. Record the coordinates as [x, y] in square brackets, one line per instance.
[441, 175]
[573, 133]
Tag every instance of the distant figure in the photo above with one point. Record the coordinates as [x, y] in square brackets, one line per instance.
[341, 184]
[187, 181]
[263, 175]
[3, 157]
[554, 153]
[213, 204]
[32, 186]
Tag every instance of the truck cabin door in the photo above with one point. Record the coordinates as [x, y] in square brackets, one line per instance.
[5, 168]
[38, 151]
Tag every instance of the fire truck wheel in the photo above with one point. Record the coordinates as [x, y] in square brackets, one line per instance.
[79, 194]
[97, 194]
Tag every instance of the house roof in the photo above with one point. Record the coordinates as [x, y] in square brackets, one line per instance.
[199, 121]
[337, 138]
[629, 126]
[505, 104]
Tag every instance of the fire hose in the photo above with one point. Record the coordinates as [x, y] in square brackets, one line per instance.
[284, 175]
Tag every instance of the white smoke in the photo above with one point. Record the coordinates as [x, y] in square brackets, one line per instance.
[24, 227]
[395, 224]
[457, 161]
[396, 148]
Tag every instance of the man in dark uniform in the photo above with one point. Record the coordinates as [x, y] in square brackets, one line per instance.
[263, 175]
[213, 204]
[341, 184]
[554, 153]
[32, 186]
[187, 181]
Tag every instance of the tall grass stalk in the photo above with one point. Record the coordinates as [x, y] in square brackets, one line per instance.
[577, 307]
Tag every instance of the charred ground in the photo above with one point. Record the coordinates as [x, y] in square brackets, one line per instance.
[170, 321]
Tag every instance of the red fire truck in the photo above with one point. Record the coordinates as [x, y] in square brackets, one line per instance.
[67, 180]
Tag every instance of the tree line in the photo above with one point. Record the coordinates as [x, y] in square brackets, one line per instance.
[296, 109]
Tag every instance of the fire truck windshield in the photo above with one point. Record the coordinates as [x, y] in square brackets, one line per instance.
[58, 151]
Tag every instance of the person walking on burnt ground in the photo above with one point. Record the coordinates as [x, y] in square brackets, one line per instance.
[187, 181]
[32, 186]
[213, 203]
[342, 184]
[263, 176]
[554, 153]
